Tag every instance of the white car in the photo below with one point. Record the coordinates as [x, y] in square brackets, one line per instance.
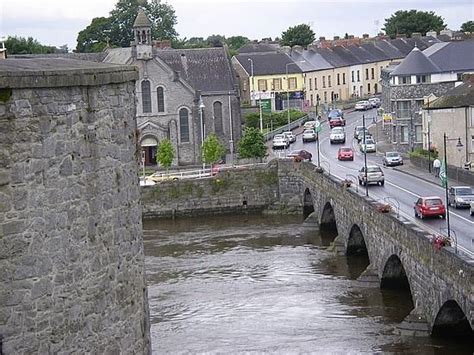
[363, 105]
[309, 135]
[374, 101]
[280, 142]
[290, 136]
[309, 125]
[368, 146]
[337, 135]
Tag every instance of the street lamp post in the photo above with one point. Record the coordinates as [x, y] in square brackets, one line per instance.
[429, 141]
[365, 158]
[444, 177]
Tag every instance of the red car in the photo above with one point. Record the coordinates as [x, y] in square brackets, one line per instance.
[345, 153]
[301, 154]
[338, 121]
[431, 206]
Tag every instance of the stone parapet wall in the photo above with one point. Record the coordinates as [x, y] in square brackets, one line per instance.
[71, 250]
[231, 191]
[461, 175]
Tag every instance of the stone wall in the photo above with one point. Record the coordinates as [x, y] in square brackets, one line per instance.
[71, 251]
[233, 191]
[462, 175]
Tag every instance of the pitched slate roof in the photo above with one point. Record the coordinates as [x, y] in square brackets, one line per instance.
[259, 47]
[460, 96]
[267, 63]
[312, 60]
[331, 57]
[205, 69]
[347, 57]
[415, 63]
[387, 47]
[362, 54]
[142, 19]
[402, 45]
[376, 52]
[453, 56]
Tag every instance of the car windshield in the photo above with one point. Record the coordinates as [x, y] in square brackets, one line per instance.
[369, 141]
[464, 191]
[309, 131]
[345, 149]
[433, 202]
[334, 114]
[278, 136]
[392, 154]
[337, 130]
[373, 169]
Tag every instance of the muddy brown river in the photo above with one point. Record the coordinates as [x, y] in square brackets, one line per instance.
[267, 284]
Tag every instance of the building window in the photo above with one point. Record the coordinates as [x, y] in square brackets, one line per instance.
[310, 84]
[343, 78]
[338, 79]
[472, 144]
[352, 76]
[354, 90]
[160, 95]
[325, 96]
[422, 79]
[146, 96]
[315, 83]
[277, 84]
[311, 99]
[394, 134]
[418, 133]
[376, 88]
[405, 79]
[217, 107]
[324, 81]
[372, 73]
[403, 109]
[403, 134]
[366, 73]
[292, 83]
[368, 88]
[262, 85]
[358, 75]
[329, 80]
[184, 125]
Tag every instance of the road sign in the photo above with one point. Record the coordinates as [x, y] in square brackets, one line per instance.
[317, 127]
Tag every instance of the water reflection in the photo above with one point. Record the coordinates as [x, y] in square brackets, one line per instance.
[238, 284]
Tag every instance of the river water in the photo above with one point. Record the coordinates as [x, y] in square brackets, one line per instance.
[267, 284]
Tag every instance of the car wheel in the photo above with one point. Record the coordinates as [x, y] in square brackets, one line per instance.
[456, 206]
[420, 215]
[443, 216]
[416, 214]
[471, 213]
[360, 182]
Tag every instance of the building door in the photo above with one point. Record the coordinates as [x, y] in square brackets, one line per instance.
[149, 146]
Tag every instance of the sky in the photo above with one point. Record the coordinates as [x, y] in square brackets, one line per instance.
[58, 22]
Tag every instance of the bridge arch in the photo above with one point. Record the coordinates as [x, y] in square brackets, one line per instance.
[394, 275]
[328, 224]
[451, 322]
[356, 243]
[308, 206]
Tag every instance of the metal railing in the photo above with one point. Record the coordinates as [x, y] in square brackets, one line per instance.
[288, 127]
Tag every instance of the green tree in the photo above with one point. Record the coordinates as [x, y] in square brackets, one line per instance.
[94, 38]
[407, 22]
[165, 153]
[467, 26]
[215, 41]
[252, 144]
[118, 26]
[21, 45]
[212, 149]
[301, 35]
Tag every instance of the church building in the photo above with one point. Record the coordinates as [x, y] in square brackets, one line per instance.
[182, 94]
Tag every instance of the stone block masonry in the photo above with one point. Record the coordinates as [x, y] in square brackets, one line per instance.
[71, 251]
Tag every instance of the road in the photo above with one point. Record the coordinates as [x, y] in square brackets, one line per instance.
[400, 190]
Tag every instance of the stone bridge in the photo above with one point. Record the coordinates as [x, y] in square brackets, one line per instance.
[400, 254]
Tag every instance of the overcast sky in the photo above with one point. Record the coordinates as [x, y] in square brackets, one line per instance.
[58, 22]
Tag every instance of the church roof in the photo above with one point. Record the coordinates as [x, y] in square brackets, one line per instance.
[416, 62]
[142, 19]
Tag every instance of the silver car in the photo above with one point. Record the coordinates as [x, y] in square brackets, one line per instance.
[392, 159]
[309, 135]
[374, 175]
[460, 196]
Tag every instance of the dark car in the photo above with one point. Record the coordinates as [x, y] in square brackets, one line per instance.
[335, 113]
[300, 154]
[336, 118]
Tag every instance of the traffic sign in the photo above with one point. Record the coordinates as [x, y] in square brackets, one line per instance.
[317, 126]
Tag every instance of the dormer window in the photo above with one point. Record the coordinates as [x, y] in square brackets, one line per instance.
[405, 79]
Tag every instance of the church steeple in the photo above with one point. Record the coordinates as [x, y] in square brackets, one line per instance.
[142, 36]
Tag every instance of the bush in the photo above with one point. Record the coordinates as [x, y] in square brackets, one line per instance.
[419, 152]
[275, 119]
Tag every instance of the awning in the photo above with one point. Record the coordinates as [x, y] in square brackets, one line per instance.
[149, 142]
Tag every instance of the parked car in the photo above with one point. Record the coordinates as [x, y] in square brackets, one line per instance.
[309, 135]
[471, 209]
[335, 113]
[337, 121]
[300, 154]
[368, 146]
[374, 101]
[374, 175]
[362, 105]
[280, 142]
[337, 135]
[290, 136]
[431, 206]
[309, 125]
[460, 196]
[345, 153]
[392, 159]
[359, 132]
